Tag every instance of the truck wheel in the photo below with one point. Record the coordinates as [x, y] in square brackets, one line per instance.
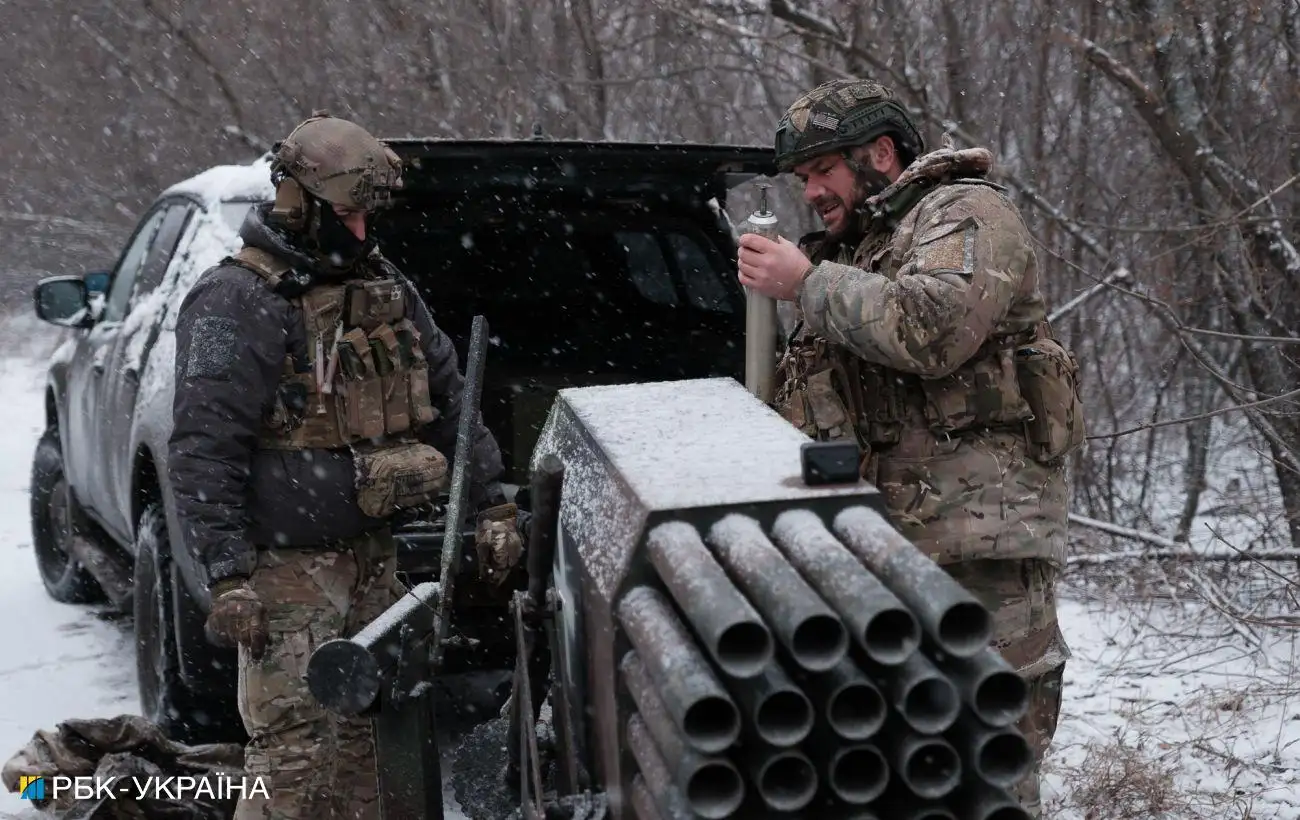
[165, 699]
[55, 521]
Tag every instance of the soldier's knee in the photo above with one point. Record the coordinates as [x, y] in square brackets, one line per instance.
[299, 766]
[1039, 728]
[1044, 711]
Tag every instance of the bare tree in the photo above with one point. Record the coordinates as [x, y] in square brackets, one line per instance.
[1150, 137]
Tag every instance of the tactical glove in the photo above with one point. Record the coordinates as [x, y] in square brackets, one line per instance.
[497, 540]
[237, 617]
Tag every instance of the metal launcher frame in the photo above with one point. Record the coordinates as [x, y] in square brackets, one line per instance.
[737, 638]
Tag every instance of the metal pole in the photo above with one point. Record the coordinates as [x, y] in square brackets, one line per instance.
[760, 315]
[458, 497]
[760, 345]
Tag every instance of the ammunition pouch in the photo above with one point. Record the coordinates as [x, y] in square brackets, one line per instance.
[1027, 383]
[983, 393]
[364, 385]
[374, 302]
[812, 393]
[366, 377]
[398, 477]
[883, 413]
[1049, 381]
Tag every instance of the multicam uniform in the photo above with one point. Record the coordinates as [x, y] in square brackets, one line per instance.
[312, 404]
[922, 335]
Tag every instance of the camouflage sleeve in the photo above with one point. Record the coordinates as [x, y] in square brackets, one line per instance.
[957, 280]
[446, 389]
[230, 347]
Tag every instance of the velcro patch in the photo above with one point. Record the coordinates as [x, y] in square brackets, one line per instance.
[212, 348]
[952, 252]
[823, 120]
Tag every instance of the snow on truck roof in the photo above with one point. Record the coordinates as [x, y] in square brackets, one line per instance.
[226, 183]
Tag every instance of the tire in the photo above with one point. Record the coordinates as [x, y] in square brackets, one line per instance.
[165, 699]
[55, 521]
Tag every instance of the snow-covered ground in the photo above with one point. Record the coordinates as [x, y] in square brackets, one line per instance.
[1162, 703]
[1167, 707]
[63, 661]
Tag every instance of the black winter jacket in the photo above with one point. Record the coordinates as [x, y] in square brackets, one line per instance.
[232, 335]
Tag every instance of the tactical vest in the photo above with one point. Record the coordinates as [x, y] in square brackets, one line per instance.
[364, 385]
[365, 377]
[1024, 382]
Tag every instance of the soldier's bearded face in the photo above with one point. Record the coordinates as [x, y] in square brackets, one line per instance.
[831, 187]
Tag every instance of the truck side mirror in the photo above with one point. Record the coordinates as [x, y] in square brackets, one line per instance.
[63, 301]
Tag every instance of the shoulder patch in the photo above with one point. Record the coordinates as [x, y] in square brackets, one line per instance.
[948, 248]
[212, 348]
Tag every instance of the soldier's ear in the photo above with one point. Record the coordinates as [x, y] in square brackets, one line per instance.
[885, 157]
[884, 153]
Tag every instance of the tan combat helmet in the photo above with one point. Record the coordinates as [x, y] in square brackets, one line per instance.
[840, 114]
[335, 160]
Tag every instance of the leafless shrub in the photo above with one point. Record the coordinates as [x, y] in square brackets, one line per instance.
[1118, 781]
[1150, 136]
[1141, 772]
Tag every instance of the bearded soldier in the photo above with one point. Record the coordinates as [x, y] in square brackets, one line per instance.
[921, 333]
[315, 401]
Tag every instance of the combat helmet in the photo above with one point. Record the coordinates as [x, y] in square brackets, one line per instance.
[334, 160]
[840, 114]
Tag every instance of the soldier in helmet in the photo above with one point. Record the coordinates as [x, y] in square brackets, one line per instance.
[315, 401]
[921, 333]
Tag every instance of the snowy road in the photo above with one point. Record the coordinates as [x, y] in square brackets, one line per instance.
[63, 661]
[1224, 729]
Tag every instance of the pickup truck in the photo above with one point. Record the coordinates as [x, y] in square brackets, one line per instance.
[592, 262]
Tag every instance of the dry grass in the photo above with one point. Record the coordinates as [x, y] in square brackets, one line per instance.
[1181, 698]
[1120, 782]
[1136, 778]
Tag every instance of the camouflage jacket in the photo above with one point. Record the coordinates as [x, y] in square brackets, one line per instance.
[926, 340]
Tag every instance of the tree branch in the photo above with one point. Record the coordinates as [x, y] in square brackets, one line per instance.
[1167, 317]
[1165, 548]
[127, 65]
[1185, 419]
[219, 77]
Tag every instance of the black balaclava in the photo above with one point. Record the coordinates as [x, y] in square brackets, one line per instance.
[337, 245]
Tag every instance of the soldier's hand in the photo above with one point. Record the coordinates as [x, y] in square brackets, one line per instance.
[774, 269]
[237, 617]
[497, 541]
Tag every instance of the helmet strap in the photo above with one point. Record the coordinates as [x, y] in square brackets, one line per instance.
[312, 223]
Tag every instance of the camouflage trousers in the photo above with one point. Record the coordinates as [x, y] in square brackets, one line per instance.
[317, 764]
[1021, 596]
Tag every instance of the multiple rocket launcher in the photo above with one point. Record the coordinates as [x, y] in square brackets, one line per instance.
[775, 648]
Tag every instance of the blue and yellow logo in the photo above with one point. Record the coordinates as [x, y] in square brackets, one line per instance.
[31, 788]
